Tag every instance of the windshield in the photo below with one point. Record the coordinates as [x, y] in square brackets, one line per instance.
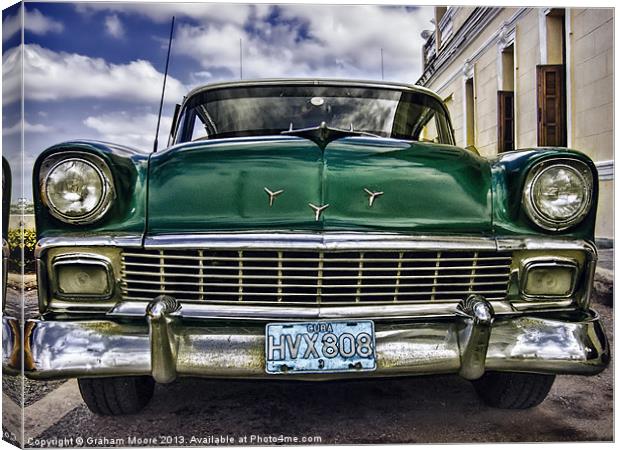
[268, 110]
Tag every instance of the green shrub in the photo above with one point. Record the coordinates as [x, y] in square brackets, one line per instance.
[17, 247]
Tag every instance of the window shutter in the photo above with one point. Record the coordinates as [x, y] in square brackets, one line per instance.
[551, 105]
[505, 121]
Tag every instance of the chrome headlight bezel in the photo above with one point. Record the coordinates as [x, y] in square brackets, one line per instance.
[85, 260]
[532, 209]
[537, 262]
[103, 172]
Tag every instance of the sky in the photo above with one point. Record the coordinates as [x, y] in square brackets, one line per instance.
[95, 70]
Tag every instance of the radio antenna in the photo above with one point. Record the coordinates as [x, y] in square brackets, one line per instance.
[163, 90]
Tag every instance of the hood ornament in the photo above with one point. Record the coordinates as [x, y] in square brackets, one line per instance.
[318, 210]
[372, 196]
[272, 195]
[324, 134]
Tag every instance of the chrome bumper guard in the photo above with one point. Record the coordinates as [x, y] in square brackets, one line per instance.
[166, 345]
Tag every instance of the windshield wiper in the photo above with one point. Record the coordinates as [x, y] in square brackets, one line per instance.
[324, 134]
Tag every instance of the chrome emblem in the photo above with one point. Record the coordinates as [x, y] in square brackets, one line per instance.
[372, 196]
[318, 210]
[272, 195]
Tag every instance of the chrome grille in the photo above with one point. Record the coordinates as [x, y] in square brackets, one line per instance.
[311, 277]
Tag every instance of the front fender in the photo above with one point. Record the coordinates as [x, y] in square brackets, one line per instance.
[129, 169]
[509, 171]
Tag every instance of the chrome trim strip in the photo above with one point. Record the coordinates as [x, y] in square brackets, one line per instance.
[316, 241]
[137, 309]
[313, 241]
[544, 244]
[68, 240]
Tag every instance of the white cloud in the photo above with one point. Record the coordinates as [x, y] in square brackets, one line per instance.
[28, 128]
[39, 24]
[34, 22]
[312, 40]
[11, 75]
[11, 25]
[51, 75]
[163, 12]
[114, 27]
[135, 130]
[291, 39]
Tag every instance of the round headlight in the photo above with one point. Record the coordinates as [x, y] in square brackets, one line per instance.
[77, 191]
[558, 195]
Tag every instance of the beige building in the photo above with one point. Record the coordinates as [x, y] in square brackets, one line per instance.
[526, 77]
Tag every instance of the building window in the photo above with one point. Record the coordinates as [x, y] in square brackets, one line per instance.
[505, 103]
[551, 105]
[505, 121]
[554, 36]
[551, 82]
[470, 122]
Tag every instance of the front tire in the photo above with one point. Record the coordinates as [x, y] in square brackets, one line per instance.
[116, 396]
[512, 390]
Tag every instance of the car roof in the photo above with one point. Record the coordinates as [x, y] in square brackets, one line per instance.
[316, 81]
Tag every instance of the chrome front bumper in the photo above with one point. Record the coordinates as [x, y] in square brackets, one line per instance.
[166, 345]
[6, 252]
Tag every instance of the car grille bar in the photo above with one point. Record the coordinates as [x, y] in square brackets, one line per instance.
[314, 276]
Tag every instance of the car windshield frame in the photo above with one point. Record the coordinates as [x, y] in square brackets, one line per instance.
[404, 111]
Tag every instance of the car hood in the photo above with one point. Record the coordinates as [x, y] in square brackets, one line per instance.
[221, 185]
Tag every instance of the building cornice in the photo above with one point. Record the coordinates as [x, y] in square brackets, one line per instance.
[605, 170]
[502, 37]
[449, 15]
[471, 29]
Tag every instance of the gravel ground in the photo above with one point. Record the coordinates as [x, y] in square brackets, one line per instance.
[606, 258]
[12, 387]
[36, 390]
[434, 409]
[9, 437]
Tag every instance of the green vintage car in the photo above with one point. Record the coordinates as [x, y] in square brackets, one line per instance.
[313, 230]
[6, 207]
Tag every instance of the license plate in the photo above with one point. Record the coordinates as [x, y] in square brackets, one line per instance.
[320, 347]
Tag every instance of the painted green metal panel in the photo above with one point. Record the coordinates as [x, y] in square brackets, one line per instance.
[220, 185]
[427, 187]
